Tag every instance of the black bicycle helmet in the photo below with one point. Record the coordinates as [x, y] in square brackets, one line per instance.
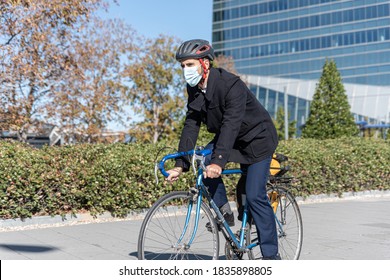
[195, 49]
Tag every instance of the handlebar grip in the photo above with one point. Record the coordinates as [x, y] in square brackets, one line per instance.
[164, 159]
[180, 154]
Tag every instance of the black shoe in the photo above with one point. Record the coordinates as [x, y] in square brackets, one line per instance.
[276, 257]
[229, 218]
[240, 213]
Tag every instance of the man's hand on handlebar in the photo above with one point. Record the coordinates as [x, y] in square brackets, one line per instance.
[212, 171]
[174, 174]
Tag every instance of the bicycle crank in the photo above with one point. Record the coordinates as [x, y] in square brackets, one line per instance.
[231, 251]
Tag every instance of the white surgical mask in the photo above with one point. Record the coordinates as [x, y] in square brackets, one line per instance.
[192, 76]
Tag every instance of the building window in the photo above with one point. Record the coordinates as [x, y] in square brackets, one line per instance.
[360, 37]
[337, 40]
[235, 13]
[337, 17]
[244, 11]
[262, 95]
[325, 19]
[371, 12]
[271, 103]
[314, 21]
[253, 10]
[383, 10]
[304, 22]
[301, 118]
[280, 100]
[307, 22]
[254, 31]
[244, 32]
[291, 107]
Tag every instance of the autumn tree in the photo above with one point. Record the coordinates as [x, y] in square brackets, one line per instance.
[157, 90]
[330, 113]
[94, 93]
[34, 37]
[225, 62]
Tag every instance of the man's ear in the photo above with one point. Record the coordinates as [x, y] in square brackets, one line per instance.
[207, 63]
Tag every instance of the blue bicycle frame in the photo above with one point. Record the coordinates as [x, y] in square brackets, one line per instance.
[202, 191]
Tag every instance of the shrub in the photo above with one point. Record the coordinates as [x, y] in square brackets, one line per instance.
[120, 177]
[339, 165]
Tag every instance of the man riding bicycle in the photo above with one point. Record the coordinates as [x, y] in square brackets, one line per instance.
[244, 133]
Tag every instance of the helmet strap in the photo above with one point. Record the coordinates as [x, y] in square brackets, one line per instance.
[205, 70]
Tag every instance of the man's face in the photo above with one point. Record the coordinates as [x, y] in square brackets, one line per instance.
[191, 63]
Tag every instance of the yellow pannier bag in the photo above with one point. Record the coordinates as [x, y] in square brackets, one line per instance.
[275, 165]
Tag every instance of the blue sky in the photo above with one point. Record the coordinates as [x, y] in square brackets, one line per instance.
[184, 19]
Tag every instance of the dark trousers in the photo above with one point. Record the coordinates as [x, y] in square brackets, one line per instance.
[259, 206]
[257, 200]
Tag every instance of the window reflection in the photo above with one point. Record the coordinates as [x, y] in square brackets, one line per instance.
[312, 21]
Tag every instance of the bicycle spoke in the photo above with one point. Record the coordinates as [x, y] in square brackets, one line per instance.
[162, 237]
[289, 227]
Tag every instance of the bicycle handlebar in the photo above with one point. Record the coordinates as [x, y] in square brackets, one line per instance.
[203, 153]
[180, 154]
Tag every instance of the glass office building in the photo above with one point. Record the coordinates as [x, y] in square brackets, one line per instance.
[281, 46]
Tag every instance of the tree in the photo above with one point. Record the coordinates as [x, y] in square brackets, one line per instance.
[330, 115]
[157, 90]
[34, 36]
[225, 62]
[94, 93]
[279, 125]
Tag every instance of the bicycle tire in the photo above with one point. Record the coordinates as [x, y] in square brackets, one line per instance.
[164, 223]
[288, 224]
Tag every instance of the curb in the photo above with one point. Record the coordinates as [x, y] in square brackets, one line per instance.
[67, 220]
[344, 196]
[86, 218]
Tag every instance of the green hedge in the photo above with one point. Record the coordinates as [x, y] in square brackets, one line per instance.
[119, 178]
[339, 165]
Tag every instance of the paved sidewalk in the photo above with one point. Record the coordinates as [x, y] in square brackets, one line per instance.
[348, 229]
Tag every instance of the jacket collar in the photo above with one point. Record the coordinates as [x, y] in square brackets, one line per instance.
[211, 83]
[198, 97]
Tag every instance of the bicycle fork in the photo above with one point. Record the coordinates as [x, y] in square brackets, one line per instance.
[198, 197]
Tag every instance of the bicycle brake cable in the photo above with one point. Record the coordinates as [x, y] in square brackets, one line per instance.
[156, 162]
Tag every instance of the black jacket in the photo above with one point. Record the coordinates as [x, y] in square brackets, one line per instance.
[244, 131]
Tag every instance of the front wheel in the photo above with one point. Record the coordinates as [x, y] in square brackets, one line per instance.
[288, 225]
[165, 234]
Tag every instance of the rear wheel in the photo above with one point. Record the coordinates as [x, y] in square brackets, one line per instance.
[288, 225]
